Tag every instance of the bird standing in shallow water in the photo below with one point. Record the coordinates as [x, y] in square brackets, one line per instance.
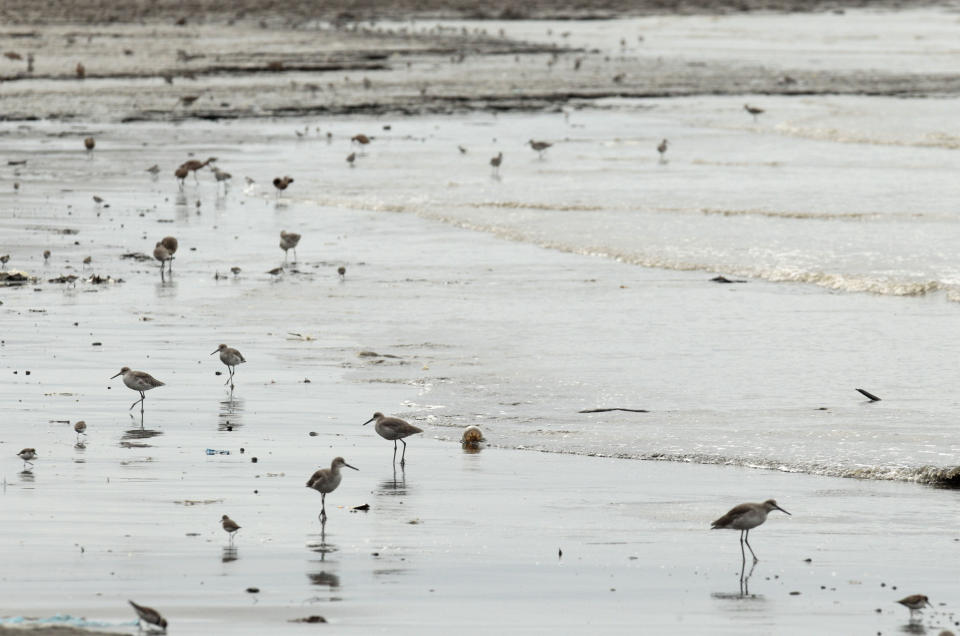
[753, 110]
[495, 163]
[662, 149]
[4, 260]
[342, 272]
[80, 428]
[229, 526]
[230, 357]
[744, 518]
[289, 241]
[46, 256]
[192, 166]
[89, 143]
[326, 480]
[540, 146]
[393, 429]
[181, 174]
[281, 184]
[27, 455]
[915, 603]
[171, 244]
[138, 381]
[161, 254]
[149, 616]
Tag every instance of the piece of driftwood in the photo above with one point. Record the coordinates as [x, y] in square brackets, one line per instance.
[614, 409]
[870, 396]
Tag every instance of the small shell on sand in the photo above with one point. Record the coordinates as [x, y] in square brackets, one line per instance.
[472, 436]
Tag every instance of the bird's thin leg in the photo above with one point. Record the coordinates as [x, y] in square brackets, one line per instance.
[742, 553]
[284, 256]
[323, 507]
[746, 539]
[137, 402]
[403, 455]
[230, 377]
[294, 255]
[197, 181]
[394, 451]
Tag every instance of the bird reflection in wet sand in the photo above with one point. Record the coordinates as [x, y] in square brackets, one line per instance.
[231, 413]
[137, 434]
[394, 486]
[229, 553]
[326, 579]
[744, 585]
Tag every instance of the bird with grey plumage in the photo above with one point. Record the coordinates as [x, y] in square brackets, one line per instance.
[744, 518]
[139, 381]
[393, 429]
[326, 480]
[149, 616]
[230, 357]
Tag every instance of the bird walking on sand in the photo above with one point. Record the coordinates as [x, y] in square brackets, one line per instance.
[393, 429]
[289, 241]
[361, 139]
[138, 381]
[351, 158]
[89, 143]
[662, 149]
[342, 272]
[4, 260]
[753, 110]
[281, 183]
[171, 244]
[915, 603]
[540, 146]
[162, 254]
[154, 169]
[221, 176]
[149, 616]
[326, 480]
[81, 429]
[46, 256]
[745, 517]
[181, 174]
[193, 165]
[229, 526]
[495, 163]
[27, 455]
[230, 357]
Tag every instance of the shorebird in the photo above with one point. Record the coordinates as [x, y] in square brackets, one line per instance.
[289, 241]
[187, 100]
[472, 437]
[662, 149]
[162, 254]
[540, 146]
[138, 381]
[745, 517]
[81, 73]
[181, 174]
[351, 158]
[326, 480]
[342, 272]
[393, 428]
[4, 260]
[462, 150]
[276, 271]
[281, 184]
[98, 200]
[221, 176]
[361, 139]
[81, 429]
[230, 357]
[87, 260]
[229, 525]
[915, 603]
[236, 272]
[753, 110]
[27, 455]
[46, 256]
[149, 616]
[171, 244]
[89, 143]
[154, 169]
[193, 165]
[495, 162]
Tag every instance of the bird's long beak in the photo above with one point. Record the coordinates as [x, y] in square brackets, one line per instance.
[928, 603]
[113, 376]
[782, 510]
[368, 421]
[215, 351]
[349, 466]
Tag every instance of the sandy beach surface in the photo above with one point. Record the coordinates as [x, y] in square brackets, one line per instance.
[510, 299]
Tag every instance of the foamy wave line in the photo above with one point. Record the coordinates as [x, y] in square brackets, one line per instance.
[931, 140]
[827, 216]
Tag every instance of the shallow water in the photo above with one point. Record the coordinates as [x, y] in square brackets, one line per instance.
[512, 301]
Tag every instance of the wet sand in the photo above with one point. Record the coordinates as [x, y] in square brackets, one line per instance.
[471, 540]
